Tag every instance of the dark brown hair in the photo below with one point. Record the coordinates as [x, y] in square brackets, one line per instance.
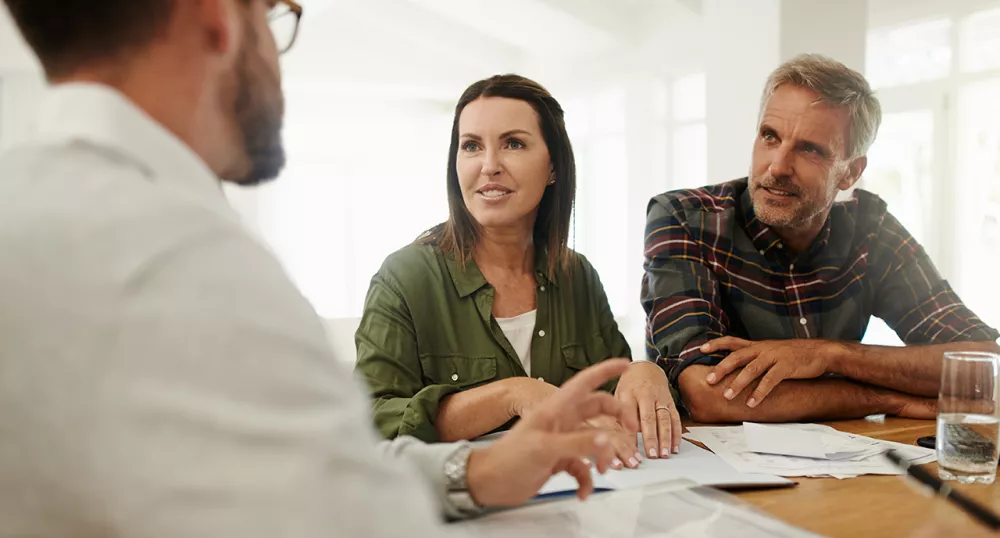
[69, 34]
[459, 235]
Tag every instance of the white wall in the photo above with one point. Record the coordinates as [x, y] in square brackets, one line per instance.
[742, 45]
[14, 53]
[744, 41]
[21, 80]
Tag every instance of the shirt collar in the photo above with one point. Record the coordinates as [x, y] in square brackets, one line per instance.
[470, 279]
[99, 115]
[764, 238]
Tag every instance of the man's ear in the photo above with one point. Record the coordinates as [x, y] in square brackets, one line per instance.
[221, 24]
[854, 170]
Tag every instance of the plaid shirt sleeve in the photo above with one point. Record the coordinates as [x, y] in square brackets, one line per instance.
[679, 292]
[912, 297]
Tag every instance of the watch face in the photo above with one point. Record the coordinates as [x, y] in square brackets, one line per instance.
[451, 470]
[454, 468]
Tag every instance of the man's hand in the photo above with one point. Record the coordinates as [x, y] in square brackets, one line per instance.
[906, 406]
[644, 389]
[773, 361]
[549, 439]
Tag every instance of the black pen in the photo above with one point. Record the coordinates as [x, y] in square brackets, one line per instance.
[981, 513]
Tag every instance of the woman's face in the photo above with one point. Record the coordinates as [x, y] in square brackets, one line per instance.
[503, 163]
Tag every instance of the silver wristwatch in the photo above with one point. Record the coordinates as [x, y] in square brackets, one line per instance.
[456, 478]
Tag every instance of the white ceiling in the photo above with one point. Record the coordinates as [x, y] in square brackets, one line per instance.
[432, 47]
[429, 48]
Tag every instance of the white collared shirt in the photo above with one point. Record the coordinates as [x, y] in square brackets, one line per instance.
[159, 374]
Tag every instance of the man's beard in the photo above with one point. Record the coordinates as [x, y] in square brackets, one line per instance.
[805, 207]
[259, 116]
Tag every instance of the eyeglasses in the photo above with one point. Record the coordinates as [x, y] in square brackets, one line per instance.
[284, 22]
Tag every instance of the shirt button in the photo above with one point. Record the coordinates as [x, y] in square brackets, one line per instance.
[542, 288]
[791, 267]
[541, 379]
[762, 252]
[803, 321]
[454, 377]
[780, 245]
[541, 333]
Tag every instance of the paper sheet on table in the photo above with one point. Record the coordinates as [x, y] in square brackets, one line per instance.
[671, 510]
[729, 443]
[693, 463]
[784, 441]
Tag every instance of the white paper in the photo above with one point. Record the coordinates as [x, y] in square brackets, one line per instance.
[692, 463]
[785, 441]
[665, 511]
[730, 444]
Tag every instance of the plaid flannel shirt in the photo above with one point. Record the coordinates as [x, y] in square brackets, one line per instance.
[713, 269]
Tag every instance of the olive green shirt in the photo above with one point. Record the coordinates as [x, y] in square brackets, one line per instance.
[428, 332]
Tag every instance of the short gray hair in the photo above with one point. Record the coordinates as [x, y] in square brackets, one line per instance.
[837, 85]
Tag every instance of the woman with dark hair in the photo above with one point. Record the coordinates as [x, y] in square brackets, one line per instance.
[488, 313]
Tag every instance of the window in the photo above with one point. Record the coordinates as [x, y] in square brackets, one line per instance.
[907, 54]
[937, 157]
[979, 39]
[690, 156]
[690, 135]
[364, 179]
[978, 183]
[597, 125]
[689, 98]
[899, 167]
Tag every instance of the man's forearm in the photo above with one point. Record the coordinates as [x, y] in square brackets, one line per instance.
[913, 370]
[792, 400]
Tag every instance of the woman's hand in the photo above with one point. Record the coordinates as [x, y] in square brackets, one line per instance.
[549, 439]
[526, 393]
[622, 439]
[644, 389]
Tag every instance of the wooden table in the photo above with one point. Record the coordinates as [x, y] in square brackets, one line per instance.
[874, 505]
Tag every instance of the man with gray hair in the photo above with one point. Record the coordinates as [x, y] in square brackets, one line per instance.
[758, 291]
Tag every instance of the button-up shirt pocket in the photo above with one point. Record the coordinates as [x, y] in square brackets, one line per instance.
[458, 370]
[578, 356]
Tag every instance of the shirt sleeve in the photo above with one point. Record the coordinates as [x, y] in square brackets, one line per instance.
[679, 293]
[430, 460]
[241, 423]
[403, 404]
[913, 299]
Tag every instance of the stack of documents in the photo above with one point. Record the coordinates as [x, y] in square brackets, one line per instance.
[692, 463]
[803, 450]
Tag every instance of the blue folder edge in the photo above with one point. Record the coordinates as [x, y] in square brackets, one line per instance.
[560, 494]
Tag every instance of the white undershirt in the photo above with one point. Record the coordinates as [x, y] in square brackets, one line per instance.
[519, 332]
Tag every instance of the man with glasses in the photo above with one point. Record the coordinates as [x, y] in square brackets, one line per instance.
[159, 374]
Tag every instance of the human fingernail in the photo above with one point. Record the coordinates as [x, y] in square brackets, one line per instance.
[706, 347]
[677, 449]
[616, 463]
[752, 402]
[638, 456]
[729, 394]
[711, 377]
[652, 453]
[633, 462]
[665, 453]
